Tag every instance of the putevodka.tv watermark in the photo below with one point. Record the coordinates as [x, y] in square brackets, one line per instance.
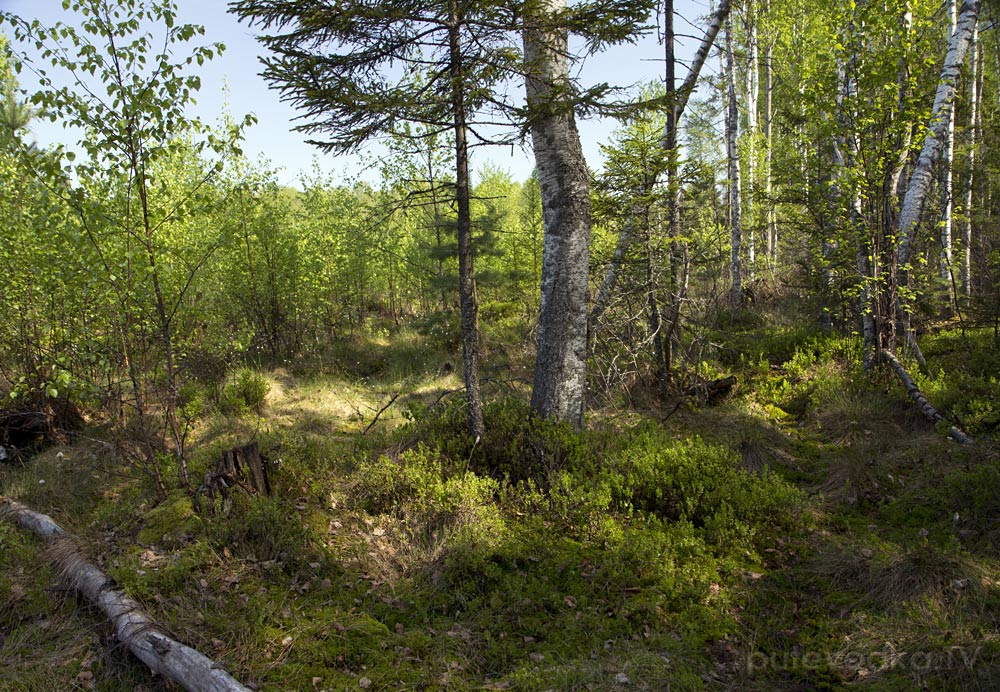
[949, 658]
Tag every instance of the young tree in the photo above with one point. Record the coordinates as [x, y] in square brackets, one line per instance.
[130, 100]
[665, 164]
[359, 71]
[676, 101]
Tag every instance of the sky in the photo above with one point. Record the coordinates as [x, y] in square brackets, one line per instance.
[231, 82]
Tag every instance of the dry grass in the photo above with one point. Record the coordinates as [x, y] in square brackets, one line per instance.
[887, 577]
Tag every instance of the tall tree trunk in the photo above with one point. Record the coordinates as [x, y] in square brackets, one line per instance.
[733, 155]
[560, 364]
[947, 177]
[883, 309]
[845, 152]
[772, 225]
[975, 60]
[752, 100]
[920, 181]
[466, 285]
[677, 246]
[944, 103]
[662, 347]
[680, 100]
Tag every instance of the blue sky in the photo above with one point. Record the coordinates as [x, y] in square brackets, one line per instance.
[231, 81]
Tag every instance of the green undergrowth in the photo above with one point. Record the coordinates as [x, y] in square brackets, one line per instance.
[811, 531]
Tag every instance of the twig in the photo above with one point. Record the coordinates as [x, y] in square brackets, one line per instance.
[443, 394]
[380, 412]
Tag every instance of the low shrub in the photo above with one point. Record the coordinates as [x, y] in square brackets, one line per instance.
[246, 392]
[689, 480]
[264, 529]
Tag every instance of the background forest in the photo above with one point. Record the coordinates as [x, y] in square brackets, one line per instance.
[793, 239]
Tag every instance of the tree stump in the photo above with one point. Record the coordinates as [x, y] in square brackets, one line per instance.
[240, 467]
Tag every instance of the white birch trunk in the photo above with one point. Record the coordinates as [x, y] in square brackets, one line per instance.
[947, 176]
[752, 96]
[974, 118]
[931, 413]
[944, 103]
[772, 225]
[187, 667]
[560, 365]
[733, 154]
[845, 150]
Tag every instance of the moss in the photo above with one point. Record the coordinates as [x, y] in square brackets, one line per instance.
[171, 521]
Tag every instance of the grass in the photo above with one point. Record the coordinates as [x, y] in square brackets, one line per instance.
[810, 532]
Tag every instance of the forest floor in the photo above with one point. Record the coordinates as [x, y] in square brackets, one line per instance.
[810, 532]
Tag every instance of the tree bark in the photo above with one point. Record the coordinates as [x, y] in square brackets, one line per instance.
[947, 180]
[771, 219]
[187, 667]
[846, 141]
[560, 365]
[974, 124]
[665, 344]
[931, 413]
[752, 135]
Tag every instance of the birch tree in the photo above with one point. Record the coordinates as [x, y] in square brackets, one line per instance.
[975, 124]
[564, 181]
[947, 178]
[676, 104]
[934, 141]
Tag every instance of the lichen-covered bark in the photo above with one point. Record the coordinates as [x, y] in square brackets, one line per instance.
[560, 364]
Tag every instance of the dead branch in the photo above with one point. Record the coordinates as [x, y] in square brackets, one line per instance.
[931, 413]
[380, 412]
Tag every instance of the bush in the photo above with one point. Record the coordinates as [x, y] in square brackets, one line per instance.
[246, 392]
[692, 481]
[262, 528]
[385, 484]
[520, 446]
[417, 488]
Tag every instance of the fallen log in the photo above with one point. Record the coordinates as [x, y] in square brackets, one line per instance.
[931, 413]
[177, 662]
